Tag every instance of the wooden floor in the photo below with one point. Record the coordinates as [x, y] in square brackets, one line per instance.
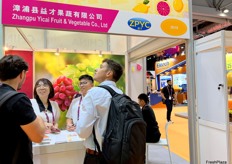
[178, 131]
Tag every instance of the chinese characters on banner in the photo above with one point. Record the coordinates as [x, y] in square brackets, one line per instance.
[58, 16]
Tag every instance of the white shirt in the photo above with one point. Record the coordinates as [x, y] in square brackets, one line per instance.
[73, 109]
[55, 109]
[94, 111]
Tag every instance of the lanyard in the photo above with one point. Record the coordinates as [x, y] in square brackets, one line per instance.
[169, 91]
[53, 118]
[78, 110]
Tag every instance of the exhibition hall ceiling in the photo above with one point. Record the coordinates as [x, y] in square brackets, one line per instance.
[210, 16]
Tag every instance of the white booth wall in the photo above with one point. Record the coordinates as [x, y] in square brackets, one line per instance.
[137, 79]
[49, 39]
[52, 39]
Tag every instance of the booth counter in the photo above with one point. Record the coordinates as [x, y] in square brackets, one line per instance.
[65, 147]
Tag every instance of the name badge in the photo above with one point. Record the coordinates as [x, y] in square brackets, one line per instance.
[170, 98]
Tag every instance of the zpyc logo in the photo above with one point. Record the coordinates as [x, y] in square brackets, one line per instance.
[139, 24]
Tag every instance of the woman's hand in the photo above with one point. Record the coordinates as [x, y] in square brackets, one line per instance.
[54, 129]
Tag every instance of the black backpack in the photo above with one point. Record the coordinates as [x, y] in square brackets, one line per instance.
[125, 135]
[9, 94]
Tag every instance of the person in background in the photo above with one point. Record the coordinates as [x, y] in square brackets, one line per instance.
[85, 83]
[184, 93]
[168, 94]
[95, 108]
[153, 133]
[47, 109]
[20, 125]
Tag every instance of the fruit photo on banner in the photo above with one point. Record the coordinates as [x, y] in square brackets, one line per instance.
[64, 70]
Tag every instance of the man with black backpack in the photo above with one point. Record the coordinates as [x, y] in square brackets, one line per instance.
[110, 122]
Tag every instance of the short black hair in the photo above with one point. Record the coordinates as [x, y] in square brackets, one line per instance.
[115, 67]
[87, 77]
[11, 66]
[144, 97]
[168, 81]
[45, 81]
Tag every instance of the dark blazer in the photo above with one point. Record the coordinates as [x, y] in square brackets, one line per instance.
[153, 133]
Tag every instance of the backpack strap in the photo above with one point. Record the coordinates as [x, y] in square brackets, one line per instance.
[112, 92]
[95, 141]
[109, 89]
[7, 96]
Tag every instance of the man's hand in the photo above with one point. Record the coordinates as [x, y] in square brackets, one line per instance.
[70, 127]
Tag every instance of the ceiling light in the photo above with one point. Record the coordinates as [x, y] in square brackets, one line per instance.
[222, 14]
[225, 10]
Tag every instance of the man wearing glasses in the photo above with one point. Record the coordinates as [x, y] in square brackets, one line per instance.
[85, 83]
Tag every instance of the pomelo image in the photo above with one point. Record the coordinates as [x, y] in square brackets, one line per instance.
[170, 8]
[163, 8]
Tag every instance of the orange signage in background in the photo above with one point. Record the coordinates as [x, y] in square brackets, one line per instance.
[161, 66]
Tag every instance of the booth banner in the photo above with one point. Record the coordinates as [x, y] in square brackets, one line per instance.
[27, 87]
[163, 65]
[140, 17]
[72, 65]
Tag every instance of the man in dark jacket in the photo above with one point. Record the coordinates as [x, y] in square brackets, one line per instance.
[153, 133]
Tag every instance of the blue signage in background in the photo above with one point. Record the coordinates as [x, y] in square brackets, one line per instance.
[163, 80]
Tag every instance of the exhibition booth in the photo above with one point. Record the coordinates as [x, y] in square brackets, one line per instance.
[174, 69]
[71, 38]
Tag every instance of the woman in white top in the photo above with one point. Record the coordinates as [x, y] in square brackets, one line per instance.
[47, 109]
[85, 83]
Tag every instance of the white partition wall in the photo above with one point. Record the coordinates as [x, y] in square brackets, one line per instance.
[211, 97]
[137, 78]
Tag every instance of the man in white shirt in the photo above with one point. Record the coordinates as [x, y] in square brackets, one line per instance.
[95, 108]
[85, 83]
